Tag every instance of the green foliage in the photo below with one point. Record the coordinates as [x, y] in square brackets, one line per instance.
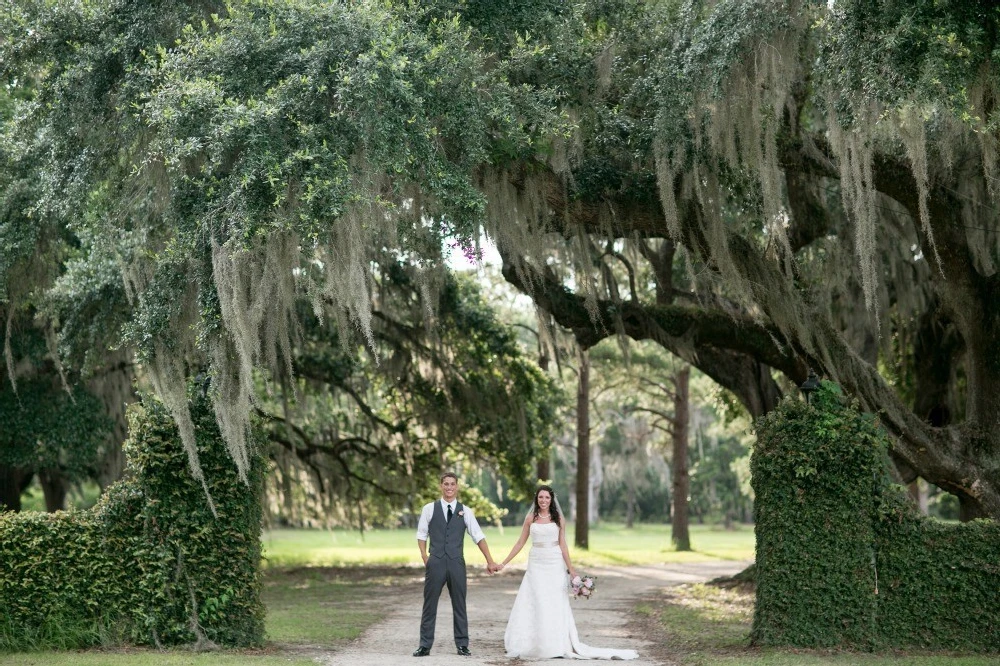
[508, 404]
[843, 559]
[175, 148]
[46, 427]
[450, 389]
[149, 564]
[937, 581]
[717, 494]
[899, 52]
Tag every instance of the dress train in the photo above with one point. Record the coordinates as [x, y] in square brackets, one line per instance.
[541, 624]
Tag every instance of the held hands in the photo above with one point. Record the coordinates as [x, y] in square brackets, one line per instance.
[493, 567]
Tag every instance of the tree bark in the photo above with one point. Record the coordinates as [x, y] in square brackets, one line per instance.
[54, 487]
[679, 531]
[582, 529]
[629, 506]
[13, 482]
[543, 469]
[596, 477]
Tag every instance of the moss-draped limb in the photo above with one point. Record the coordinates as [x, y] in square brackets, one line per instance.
[948, 457]
[733, 351]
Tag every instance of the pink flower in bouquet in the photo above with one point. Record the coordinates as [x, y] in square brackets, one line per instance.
[583, 586]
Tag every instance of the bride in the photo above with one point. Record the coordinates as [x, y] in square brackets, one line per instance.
[541, 624]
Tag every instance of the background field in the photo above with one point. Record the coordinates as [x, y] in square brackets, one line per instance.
[609, 544]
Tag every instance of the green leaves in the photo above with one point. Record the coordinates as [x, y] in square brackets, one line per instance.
[175, 146]
[147, 559]
[843, 559]
[46, 428]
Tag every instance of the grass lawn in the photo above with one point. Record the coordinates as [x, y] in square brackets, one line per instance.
[703, 625]
[609, 544]
[325, 607]
[323, 589]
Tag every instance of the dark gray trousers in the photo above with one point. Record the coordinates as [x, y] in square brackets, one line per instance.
[441, 571]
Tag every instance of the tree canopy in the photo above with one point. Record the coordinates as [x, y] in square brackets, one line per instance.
[211, 165]
[760, 187]
[801, 185]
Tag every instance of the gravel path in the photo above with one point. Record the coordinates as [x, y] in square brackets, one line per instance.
[602, 621]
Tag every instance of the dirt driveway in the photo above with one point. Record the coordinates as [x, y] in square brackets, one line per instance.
[602, 621]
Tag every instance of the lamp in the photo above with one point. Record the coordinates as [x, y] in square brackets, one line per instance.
[810, 385]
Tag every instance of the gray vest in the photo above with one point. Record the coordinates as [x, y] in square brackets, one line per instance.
[447, 538]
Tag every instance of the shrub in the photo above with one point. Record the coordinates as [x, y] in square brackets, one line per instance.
[844, 559]
[150, 563]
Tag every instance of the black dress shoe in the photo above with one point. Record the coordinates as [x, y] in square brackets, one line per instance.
[464, 651]
[421, 652]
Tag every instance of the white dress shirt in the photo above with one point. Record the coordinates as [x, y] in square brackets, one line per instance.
[471, 524]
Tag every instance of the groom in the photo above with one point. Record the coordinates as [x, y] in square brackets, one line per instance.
[446, 521]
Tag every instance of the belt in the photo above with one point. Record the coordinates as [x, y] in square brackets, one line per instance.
[545, 544]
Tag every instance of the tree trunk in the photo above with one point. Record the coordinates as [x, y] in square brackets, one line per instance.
[543, 469]
[679, 533]
[918, 492]
[969, 509]
[596, 479]
[630, 507]
[582, 531]
[113, 384]
[13, 481]
[54, 487]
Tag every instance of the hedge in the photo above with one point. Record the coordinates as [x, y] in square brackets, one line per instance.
[150, 563]
[843, 557]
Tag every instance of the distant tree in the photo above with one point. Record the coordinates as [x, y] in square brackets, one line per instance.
[358, 435]
[633, 463]
[53, 428]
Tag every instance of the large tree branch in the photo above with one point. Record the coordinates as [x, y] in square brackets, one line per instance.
[316, 373]
[656, 412]
[308, 448]
[938, 454]
[733, 351]
[677, 326]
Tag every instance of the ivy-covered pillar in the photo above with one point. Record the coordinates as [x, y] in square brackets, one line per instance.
[155, 561]
[815, 470]
[200, 555]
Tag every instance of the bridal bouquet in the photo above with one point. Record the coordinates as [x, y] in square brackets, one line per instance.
[582, 586]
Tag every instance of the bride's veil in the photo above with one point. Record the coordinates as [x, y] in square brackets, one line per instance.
[555, 501]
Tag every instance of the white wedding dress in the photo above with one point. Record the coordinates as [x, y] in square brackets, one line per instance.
[541, 624]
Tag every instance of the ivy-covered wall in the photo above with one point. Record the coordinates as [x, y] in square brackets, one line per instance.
[150, 563]
[843, 557]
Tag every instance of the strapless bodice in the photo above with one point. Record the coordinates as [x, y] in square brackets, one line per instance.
[544, 535]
